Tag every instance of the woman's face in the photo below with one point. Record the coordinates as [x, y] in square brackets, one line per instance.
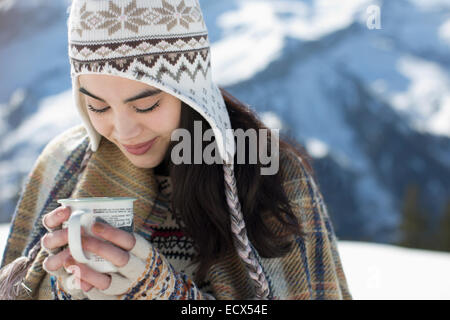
[131, 114]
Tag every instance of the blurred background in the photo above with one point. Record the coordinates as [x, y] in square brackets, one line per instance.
[363, 85]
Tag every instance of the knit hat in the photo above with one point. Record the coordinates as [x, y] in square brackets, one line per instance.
[162, 43]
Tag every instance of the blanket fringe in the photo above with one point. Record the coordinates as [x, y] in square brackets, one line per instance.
[13, 274]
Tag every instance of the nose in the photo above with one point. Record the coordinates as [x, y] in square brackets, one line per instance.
[126, 126]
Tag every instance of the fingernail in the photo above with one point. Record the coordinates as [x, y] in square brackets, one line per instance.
[69, 261]
[62, 213]
[98, 227]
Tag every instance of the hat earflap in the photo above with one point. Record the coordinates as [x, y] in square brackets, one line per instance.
[243, 246]
[80, 104]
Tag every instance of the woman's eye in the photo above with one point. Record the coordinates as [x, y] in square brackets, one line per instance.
[91, 108]
[97, 110]
[148, 109]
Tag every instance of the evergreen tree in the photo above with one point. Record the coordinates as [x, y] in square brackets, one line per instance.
[413, 227]
[444, 229]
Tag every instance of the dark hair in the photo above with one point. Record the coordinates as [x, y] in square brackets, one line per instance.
[199, 201]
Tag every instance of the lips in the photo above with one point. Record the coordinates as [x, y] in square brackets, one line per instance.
[141, 148]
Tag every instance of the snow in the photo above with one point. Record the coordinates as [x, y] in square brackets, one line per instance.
[54, 115]
[256, 32]
[444, 31]
[431, 4]
[6, 4]
[271, 120]
[258, 42]
[427, 98]
[316, 148]
[4, 230]
[378, 272]
[26, 72]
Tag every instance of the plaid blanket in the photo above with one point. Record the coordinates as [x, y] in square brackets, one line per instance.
[311, 270]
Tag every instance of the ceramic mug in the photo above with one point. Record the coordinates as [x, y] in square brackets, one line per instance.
[118, 212]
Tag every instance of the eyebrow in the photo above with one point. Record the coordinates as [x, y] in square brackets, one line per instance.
[144, 94]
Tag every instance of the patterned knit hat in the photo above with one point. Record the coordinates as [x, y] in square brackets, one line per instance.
[163, 43]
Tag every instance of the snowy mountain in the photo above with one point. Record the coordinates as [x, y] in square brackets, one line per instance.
[366, 103]
[371, 105]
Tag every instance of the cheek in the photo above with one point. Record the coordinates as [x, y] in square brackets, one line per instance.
[166, 120]
[101, 124]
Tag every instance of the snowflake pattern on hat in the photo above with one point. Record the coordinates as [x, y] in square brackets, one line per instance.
[129, 16]
[163, 43]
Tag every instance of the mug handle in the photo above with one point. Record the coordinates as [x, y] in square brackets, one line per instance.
[74, 235]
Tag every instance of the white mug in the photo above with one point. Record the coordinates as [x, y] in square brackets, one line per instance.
[118, 212]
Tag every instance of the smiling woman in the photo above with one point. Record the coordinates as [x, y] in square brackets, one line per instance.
[201, 231]
[138, 118]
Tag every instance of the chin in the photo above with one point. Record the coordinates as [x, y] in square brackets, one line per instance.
[143, 163]
[151, 159]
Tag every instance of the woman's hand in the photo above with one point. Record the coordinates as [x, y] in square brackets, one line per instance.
[134, 257]
[115, 251]
[54, 241]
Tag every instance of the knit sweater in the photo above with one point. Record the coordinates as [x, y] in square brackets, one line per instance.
[66, 168]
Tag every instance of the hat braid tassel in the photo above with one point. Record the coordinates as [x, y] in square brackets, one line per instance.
[240, 238]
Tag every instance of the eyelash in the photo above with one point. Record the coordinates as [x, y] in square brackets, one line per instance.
[137, 110]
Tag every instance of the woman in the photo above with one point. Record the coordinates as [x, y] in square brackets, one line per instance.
[141, 71]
